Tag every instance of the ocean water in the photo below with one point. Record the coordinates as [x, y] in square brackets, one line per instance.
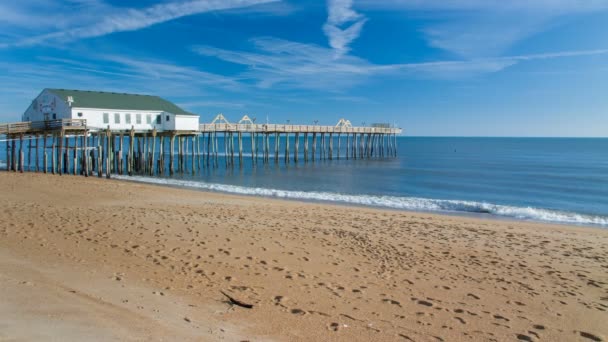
[559, 180]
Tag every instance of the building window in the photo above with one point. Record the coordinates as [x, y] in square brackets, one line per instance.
[54, 116]
[116, 118]
[106, 118]
[168, 118]
[148, 119]
[138, 119]
[128, 118]
[158, 119]
[79, 114]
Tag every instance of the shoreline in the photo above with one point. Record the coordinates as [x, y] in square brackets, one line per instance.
[128, 260]
[451, 213]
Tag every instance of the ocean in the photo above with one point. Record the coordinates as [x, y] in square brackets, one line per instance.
[557, 180]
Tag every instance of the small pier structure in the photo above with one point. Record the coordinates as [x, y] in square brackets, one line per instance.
[70, 146]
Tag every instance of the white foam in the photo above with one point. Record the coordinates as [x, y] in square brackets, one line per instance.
[393, 202]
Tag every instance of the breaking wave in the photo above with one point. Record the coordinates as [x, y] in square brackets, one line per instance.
[393, 202]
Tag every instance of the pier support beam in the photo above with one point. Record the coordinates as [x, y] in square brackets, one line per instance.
[287, 148]
[296, 146]
[331, 146]
[108, 153]
[21, 156]
[277, 140]
[171, 149]
[314, 146]
[305, 147]
[240, 142]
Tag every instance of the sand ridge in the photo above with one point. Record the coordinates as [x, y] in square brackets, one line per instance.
[312, 272]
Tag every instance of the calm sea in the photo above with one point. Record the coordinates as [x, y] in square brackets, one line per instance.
[562, 180]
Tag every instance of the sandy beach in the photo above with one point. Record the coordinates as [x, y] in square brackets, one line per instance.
[96, 259]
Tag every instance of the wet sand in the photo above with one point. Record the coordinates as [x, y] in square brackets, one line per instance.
[96, 259]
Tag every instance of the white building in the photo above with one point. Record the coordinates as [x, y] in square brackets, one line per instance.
[116, 110]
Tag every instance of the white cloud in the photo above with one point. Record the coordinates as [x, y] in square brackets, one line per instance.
[281, 64]
[485, 28]
[343, 25]
[292, 64]
[99, 19]
[466, 5]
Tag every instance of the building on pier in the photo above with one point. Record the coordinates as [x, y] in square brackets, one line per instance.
[118, 111]
[86, 132]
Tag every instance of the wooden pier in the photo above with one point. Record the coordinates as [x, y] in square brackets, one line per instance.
[70, 146]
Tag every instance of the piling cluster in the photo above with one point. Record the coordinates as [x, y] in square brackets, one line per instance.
[72, 147]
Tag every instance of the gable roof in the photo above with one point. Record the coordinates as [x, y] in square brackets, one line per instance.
[107, 100]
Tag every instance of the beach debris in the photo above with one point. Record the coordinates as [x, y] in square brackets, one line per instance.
[237, 302]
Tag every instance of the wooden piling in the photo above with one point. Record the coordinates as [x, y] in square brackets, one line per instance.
[171, 149]
[21, 153]
[75, 156]
[296, 146]
[29, 153]
[85, 157]
[331, 146]
[216, 149]
[339, 138]
[60, 151]
[257, 138]
[287, 148]
[36, 154]
[8, 154]
[306, 147]
[108, 153]
[314, 146]
[44, 157]
[193, 143]
[277, 141]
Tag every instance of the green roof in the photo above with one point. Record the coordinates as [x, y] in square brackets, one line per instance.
[107, 100]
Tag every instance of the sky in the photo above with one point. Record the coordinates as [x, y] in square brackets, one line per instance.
[431, 67]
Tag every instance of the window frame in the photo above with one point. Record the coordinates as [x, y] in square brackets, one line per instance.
[138, 119]
[106, 118]
[128, 118]
[117, 118]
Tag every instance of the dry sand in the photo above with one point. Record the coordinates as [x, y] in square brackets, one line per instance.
[95, 259]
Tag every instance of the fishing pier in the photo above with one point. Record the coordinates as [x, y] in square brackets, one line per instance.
[72, 146]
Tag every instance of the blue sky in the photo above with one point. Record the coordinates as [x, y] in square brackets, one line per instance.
[433, 67]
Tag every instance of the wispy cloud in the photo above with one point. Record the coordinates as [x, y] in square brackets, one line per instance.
[458, 5]
[308, 66]
[485, 28]
[187, 85]
[286, 64]
[343, 25]
[108, 19]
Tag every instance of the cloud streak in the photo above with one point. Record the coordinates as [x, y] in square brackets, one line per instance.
[121, 20]
[485, 28]
[285, 64]
[343, 25]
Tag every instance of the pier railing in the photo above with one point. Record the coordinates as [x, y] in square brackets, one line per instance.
[33, 126]
[277, 128]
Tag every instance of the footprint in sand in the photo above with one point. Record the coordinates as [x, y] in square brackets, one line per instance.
[590, 336]
[299, 312]
[425, 303]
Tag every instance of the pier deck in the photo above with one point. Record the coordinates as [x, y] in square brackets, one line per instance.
[80, 149]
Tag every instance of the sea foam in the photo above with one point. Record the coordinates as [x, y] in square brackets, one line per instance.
[393, 202]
